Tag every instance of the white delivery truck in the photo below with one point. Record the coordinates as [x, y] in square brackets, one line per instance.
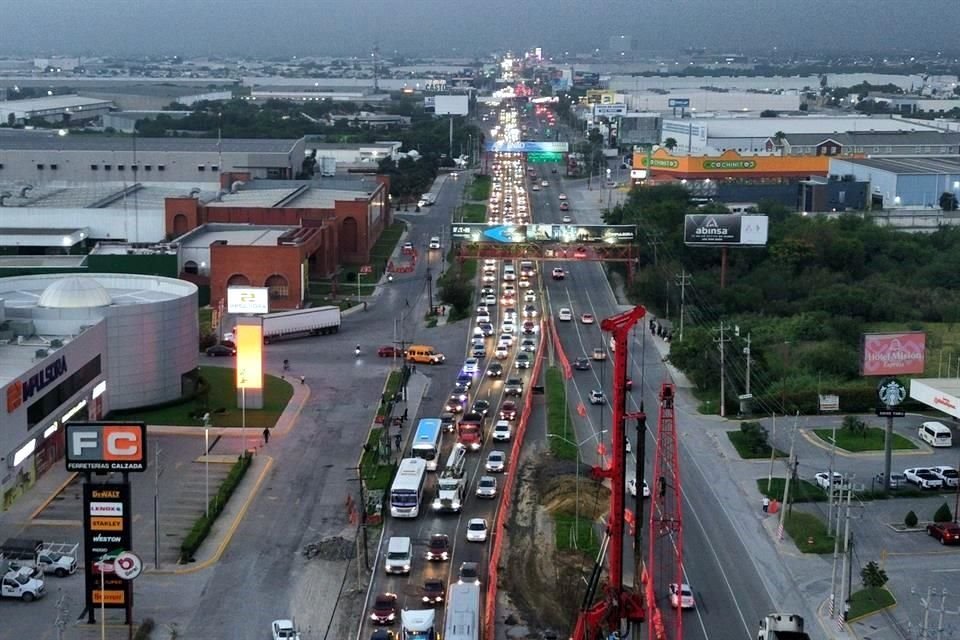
[782, 626]
[19, 585]
[302, 322]
[328, 167]
[418, 624]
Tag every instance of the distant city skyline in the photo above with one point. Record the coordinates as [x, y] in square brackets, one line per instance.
[244, 28]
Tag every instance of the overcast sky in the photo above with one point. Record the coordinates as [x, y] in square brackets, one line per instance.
[451, 27]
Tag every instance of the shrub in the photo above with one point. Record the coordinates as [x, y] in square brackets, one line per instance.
[943, 514]
[201, 528]
[873, 576]
[756, 436]
[911, 519]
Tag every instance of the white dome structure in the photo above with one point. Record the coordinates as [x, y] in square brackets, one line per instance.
[75, 293]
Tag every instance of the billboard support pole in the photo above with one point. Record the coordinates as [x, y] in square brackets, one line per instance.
[887, 451]
[723, 267]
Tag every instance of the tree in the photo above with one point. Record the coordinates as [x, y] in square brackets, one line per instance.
[779, 137]
[872, 576]
[943, 514]
[855, 425]
[948, 201]
[911, 519]
[670, 144]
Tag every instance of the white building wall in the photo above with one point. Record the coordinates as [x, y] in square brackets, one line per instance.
[132, 225]
[882, 183]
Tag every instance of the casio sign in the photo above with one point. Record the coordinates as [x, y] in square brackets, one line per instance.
[105, 446]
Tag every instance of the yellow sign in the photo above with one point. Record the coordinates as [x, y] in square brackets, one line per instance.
[249, 356]
[109, 597]
[732, 163]
[601, 96]
[106, 524]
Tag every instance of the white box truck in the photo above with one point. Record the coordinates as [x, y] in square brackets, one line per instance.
[418, 624]
[328, 167]
[301, 322]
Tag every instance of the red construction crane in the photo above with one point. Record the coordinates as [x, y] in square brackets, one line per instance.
[666, 525]
[618, 603]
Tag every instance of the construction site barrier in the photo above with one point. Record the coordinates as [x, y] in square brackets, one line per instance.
[559, 352]
[503, 513]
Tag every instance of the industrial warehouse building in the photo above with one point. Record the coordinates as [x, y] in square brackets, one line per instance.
[35, 157]
[903, 182]
[66, 108]
[80, 346]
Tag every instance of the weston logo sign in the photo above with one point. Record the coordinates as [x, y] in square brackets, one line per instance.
[21, 391]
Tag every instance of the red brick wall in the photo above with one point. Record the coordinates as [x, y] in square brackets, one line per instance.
[257, 264]
[180, 215]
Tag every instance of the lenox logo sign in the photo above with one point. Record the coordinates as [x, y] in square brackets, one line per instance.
[106, 508]
[105, 446]
[20, 392]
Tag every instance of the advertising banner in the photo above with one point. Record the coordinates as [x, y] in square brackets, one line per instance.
[725, 230]
[527, 146]
[609, 110]
[942, 395]
[249, 339]
[678, 103]
[543, 233]
[248, 300]
[107, 532]
[892, 354]
[451, 105]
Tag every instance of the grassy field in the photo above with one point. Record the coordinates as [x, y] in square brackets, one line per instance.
[802, 491]
[586, 537]
[376, 475]
[943, 343]
[804, 528]
[222, 404]
[474, 212]
[558, 416]
[480, 188]
[867, 601]
[869, 440]
[740, 442]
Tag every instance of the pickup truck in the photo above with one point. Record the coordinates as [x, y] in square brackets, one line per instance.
[60, 559]
[16, 584]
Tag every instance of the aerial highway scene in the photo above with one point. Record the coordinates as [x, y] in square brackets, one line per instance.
[436, 321]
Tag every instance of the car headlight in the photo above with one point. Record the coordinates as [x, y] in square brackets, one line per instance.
[406, 567]
[391, 616]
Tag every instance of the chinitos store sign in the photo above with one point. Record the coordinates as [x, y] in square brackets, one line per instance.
[729, 165]
[725, 230]
[21, 391]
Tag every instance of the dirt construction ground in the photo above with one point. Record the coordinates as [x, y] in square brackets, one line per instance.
[541, 586]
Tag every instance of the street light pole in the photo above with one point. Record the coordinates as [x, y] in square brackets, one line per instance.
[206, 460]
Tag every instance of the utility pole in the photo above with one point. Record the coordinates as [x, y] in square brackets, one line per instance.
[830, 491]
[746, 353]
[61, 622]
[791, 470]
[721, 343]
[833, 573]
[157, 472]
[844, 577]
[429, 289]
[654, 241]
[682, 279]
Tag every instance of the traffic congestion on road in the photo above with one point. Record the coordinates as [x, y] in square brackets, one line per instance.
[446, 495]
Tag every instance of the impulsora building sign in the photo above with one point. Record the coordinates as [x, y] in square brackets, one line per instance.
[730, 230]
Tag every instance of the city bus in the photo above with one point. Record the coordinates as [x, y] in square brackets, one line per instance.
[463, 612]
[407, 488]
[426, 441]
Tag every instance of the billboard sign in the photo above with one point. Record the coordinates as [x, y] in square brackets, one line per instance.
[249, 340]
[725, 230]
[451, 105]
[543, 233]
[107, 534]
[248, 300]
[678, 103]
[943, 399]
[609, 110]
[106, 446]
[891, 354]
[527, 146]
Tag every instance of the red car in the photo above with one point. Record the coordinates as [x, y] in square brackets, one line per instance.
[508, 410]
[388, 351]
[945, 532]
[384, 609]
[580, 253]
[564, 206]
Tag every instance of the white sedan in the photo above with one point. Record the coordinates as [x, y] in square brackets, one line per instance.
[681, 596]
[496, 462]
[502, 431]
[565, 315]
[823, 480]
[477, 530]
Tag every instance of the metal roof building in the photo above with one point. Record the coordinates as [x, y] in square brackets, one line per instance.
[53, 109]
[903, 182]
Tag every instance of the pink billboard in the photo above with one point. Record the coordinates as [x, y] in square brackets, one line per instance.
[892, 354]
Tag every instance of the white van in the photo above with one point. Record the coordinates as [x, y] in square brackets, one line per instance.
[399, 555]
[936, 434]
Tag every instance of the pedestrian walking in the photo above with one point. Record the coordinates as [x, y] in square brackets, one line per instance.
[396, 441]
[302, 380]
[766, 504]
[266, 435]
[404, 415]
